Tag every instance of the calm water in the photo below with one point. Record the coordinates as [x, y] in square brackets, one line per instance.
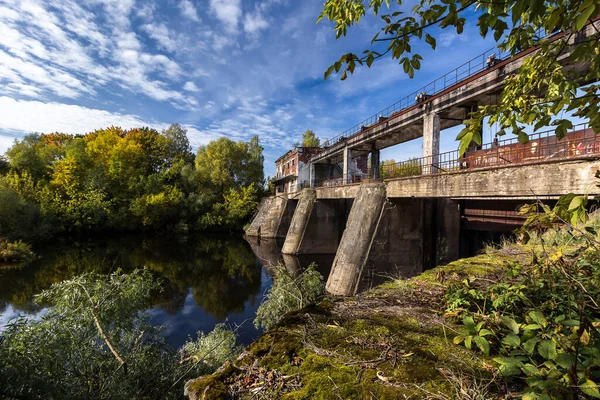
[206, 279]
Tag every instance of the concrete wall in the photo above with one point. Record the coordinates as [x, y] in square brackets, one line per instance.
[548, 179]
[325, 227]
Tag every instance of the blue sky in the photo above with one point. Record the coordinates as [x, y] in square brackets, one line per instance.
[234, 68]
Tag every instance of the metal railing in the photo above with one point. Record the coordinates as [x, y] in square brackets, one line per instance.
[465, 71]
[355, 178]
[542, 146]
[480, 63]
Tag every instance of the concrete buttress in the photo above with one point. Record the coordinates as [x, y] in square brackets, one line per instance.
[273, 216]
[299, 222]
[254, 228]
[357, 239]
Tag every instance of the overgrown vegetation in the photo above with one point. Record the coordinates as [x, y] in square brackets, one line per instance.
[136, 179]
[289, 293]
[390, 169]
[94, 342]
[15, 251]
[541, 321]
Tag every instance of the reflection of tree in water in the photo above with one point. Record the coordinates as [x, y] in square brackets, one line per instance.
[222, 273]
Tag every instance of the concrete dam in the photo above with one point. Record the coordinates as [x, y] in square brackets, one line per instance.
[414, 215]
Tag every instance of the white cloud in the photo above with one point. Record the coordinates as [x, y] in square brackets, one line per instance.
[255, 22]
[36, 116]
[228, 12]
[60, 50]
[161, 34]
[191, 87]
[188, 10]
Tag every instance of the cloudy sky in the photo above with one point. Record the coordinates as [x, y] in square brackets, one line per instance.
[234, 68]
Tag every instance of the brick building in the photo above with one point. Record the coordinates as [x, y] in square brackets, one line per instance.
[292, 169]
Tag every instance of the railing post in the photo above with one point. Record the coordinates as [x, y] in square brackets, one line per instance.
[431, 142]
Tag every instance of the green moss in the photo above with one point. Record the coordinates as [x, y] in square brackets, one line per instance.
[211, 387]
[388, 353]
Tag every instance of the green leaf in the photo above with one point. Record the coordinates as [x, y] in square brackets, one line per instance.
[483, 344]
[523, 137]
[485, 332]
[468, 340]
[509, 366]
[538, 317]
[547, 349]
[510, 324]
[430, 40]
[530, 370]
[344, 75]
[590, 388]
[565, 360]
[469, 323]
[576, 202]
[512, 340]
[529, 345]
[583, 17]
[329, 72]
[571, 322]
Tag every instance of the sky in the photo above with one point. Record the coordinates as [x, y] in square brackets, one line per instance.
[234, 68]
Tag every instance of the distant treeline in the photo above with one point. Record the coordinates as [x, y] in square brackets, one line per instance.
[136, 179]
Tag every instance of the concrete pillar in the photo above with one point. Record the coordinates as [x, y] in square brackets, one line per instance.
[375, 163]
[311, 175]
[431, 143]
[299, 221]
[255, 226]
[357, 239]
[347, 159]
[272, 219]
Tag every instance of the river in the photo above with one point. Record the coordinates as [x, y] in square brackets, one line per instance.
[206, 279]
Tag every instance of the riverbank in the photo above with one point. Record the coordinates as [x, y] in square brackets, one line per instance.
[395, 341]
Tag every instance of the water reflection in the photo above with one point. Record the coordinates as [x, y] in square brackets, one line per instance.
[206, 280]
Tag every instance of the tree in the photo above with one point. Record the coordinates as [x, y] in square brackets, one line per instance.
[178, 146]
[539, 92]
[309, 139]
[226, 164]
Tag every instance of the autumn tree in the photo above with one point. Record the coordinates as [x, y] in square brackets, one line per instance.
[536, 95]
[309, 139]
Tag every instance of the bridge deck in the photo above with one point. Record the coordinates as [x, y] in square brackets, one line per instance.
[452, 98]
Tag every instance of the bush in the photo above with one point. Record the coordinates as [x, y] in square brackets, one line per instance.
[95, 343]
[289, 294]
[211, 351]
[542, 323]
[15, 251]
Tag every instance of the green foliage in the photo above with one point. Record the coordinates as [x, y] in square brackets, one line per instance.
[212, 351]
[389, 169]
[542, 322]
[237, 205]
[94, 342]
[15, 251]
[539, 92]
[126, 179]
[309, 139]
[289, 294]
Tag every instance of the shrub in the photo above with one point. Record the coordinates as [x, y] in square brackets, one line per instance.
[211, 351]
[95, 343]
[15, 251]
[289, 294]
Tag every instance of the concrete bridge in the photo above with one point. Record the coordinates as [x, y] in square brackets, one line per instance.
[419, 213]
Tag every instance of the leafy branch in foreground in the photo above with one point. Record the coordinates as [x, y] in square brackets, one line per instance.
[289, 294]
[542, 321]
[534, 95]
[95, 341]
